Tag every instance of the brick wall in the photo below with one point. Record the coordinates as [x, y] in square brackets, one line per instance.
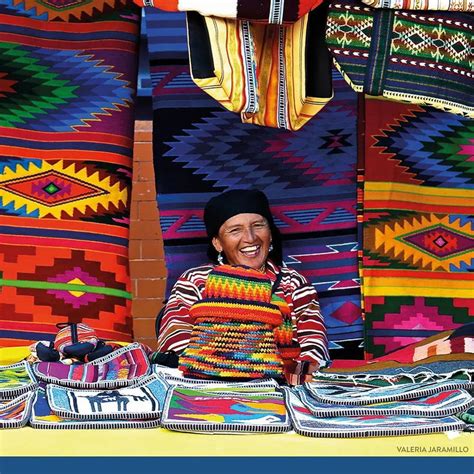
[147, 266]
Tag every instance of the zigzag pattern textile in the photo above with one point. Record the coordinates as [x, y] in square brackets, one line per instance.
[418, 240]
[404, 55]
[67, 83]
[201, 149]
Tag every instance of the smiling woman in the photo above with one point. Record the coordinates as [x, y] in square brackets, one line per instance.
[244, 239]
[245, 315]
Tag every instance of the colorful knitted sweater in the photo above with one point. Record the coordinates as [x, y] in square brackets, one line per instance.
[308, 331]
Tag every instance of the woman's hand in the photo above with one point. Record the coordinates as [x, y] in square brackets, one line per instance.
[301, 372]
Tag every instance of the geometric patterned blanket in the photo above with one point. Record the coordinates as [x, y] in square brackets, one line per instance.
[405, 56]
[67, 81]
[306, 424]
[418, 239]
[309, 176]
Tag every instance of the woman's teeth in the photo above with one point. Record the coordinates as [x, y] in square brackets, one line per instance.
[250, 251]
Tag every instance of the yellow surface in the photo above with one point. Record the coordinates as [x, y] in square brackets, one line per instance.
[10, 355]
[161, 442]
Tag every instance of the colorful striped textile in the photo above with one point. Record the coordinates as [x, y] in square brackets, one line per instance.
[267, 11]
[452, 5]
[445, 343]
[445, 403]
[360, 394]
[418, 239]
[142, 401]
[16, 413]
[406, 56]
[234, 324]
[16, 379]
[42, 417]
[74, 334]
[230, 349]
[66, 134]
[196, 410]
[309, 177]
[306, 424]
[120, 368]
[276, 76]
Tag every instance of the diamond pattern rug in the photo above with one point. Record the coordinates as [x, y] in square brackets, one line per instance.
[67, 84]
[418, 239]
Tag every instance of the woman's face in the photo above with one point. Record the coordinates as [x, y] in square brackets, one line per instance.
[245, 240]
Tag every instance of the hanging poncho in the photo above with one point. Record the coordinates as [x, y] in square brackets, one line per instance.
[265, 60]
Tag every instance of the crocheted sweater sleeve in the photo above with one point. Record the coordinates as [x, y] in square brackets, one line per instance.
[310, 328]
[176, 325]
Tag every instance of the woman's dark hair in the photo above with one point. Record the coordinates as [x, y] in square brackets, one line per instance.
[276, 255]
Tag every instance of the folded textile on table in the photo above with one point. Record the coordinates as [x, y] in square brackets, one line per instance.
[120, 368]
[16, 379]
[388, 373]
[16, 413]
[448, 355]
[444, 343]
[194, 410]
[453, 5]
[212, 384]
[468, 418]
[272, 75]
[306, 424]
[361, 394]
[42, 417]
[406, 56]
[141, 401]
[265, 11]
[445, 403]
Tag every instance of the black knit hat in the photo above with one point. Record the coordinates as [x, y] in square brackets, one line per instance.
[239, 201]
[229, 204]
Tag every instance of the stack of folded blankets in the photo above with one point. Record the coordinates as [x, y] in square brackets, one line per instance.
[17, 391]
[114, 391]
[422, 388]
[349, 411]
